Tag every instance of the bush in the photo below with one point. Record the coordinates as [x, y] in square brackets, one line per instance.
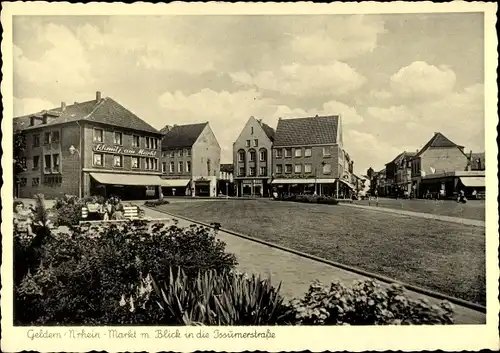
[154, 203]
[69, 210]
[227, 298]
[365, 303]
[84, 275]
[328, 200]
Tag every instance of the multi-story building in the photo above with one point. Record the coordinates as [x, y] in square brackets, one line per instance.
[252, 159]
[190, 160]
[225, 184]
[398, 174]
[378, 183]
[309, 157]
[96, 147]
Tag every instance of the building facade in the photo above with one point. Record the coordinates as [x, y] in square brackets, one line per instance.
[190, 160]
[96, 147]
[252, 159]
[399, 175]
[225, 183]
[309, 158]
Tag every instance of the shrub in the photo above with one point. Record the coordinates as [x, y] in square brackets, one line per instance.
[365, 303]
[84, 275]
[154, 203]
[212, 298]
[69, 210]
[328, 200]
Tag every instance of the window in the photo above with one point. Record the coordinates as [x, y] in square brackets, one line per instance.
[117, 161]
[251, 129]
[136, 141]
[48, 163]
[52, 180]
[327, 168]
[55, 163]
[23, 162]
[35, 182]
[248, 143]
[263, 155]
[172, 167]
[252, 171]
[147, 142]
[46, 138]
[135, 162]
[288, 168]
[262, 171]
[252, 156]
[298, 168]
[164, 167]
[98, 159]
[327, 151]
[255, 143]
[307, 168]
[155, 164]
[279, 153]
[172, 154]
[298, 152]
[23, 182]
[180, 167]
[307, 152]
[241, 156]
[36, 162]
[188, 152]
[179, 153]
[279, 169]
[155, 143]
[188, 166]
[288, 152]
[98, 135]
[151, 163]
[36, 140]
[241, 171]
[55, 136]
[118, 138]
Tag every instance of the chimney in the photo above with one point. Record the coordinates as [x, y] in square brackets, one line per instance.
[63, 106]
[98, 96]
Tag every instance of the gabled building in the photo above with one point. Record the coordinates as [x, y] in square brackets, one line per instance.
[190, 160]
[252, 159]
[398, 174]
[97, 147]
[309, 157]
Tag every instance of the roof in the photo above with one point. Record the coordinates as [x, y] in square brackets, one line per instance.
[228, 168]
[402, 155]
[319, 130]
[268, 130]
[106, 111]
[181, 136]
[438, 141]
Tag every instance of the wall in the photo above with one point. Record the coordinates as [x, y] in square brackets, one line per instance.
[185, 158]
[443, 160]
[263, 143]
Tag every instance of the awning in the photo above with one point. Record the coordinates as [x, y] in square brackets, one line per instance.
[126, 179]
[477, 182]
[303, 181]
[347, 183]
[174, 183]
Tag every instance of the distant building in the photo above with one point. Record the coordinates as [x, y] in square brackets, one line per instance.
[226, 180]
[378, 183]
[309, 157]
[252, 159]
[398, 174]
[477, 161]
[190, 160]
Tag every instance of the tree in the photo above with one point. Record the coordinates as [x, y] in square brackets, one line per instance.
[19, 148]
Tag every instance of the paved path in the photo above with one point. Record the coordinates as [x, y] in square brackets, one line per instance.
[465, 221]
[296, 272]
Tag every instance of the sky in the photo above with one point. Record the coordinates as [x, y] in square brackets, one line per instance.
[395, 79]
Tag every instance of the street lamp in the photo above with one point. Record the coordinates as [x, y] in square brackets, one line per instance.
[73, 150]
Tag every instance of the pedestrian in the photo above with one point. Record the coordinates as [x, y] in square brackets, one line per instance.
[23, 219]
[118, 210]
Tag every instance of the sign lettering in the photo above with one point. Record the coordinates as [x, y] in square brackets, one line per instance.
[120, 150]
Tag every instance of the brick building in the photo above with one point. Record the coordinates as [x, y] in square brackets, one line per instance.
[309, 157]
[96, 147]
[190, 160]
[252, 159]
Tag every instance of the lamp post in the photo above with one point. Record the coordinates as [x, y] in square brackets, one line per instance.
[73, 150]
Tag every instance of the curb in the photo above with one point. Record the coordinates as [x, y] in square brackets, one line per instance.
[420, 290]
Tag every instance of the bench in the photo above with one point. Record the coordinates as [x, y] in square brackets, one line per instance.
[129, 212]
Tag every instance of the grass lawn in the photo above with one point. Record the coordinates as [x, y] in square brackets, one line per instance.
[446, 257]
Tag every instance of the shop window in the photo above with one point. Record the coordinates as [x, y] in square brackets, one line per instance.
[180, 166]
[48, 163]
[36, 140]
[172, 167]
[55, 136]
[36, 162]
[279, 153]
[288, 152]
[279, 169]
[298, 152]
[118, 138]
[327, 168]
[55, 163]
[188, 167]
[298, 168]
[98, 135]
[263, 171]
[136, 142]
[98, 159]
[117, 161]
[307, 168]
[135, 162]
[288, 168]
[46, 138]
[35, 182]
[308, 152]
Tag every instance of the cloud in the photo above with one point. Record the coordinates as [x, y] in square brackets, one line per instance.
[335, 79]
[26, 106]
[391, 114]
[420, 80]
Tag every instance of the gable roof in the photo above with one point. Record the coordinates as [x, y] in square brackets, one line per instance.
[402, 155]
[268, 130]
[318, 130]
[438, 141]
[106, 111]
[180, 136]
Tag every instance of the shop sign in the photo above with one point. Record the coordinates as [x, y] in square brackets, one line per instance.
[120, 150]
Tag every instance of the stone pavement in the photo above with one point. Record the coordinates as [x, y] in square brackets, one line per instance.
[296, 272]
[374, 208]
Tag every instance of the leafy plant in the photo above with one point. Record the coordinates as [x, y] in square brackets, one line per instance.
[328, 200]
[154, 203]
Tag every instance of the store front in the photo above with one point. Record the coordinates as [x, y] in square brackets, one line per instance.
[253, 187]
[125, 186]
[175, 187]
